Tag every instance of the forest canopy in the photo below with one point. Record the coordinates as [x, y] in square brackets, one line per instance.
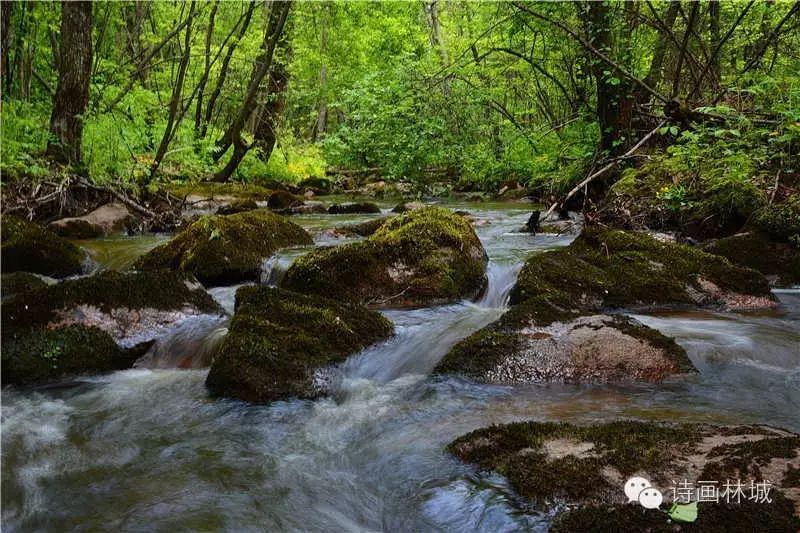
[471, 95]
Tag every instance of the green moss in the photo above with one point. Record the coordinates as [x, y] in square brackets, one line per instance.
[211, 189]
[31, 248]
[107, 290]
[51, 354]
[516, 451]
[606, 268]
[278, 338]
[422, 257]
[283, 200]
[362, 229]
[479, 353]
[757, 251]
[745, 459]
[19, 282]
[780, 221]
[226, 249]
[745, 516]
[237, 206]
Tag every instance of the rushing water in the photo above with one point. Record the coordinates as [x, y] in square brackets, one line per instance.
[146, 449]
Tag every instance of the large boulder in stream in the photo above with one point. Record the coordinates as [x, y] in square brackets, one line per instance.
[558, 329]
[31, 248]
[778, 261]
[226, 249]
[108, 218]
[350, 208]
[283, 344]
[581, 472]
[424, 257]
[94, 324]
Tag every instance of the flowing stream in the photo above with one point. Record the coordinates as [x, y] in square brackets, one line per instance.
[147, 449]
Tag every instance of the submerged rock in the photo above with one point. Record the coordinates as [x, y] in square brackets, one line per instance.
[283, 344]
[132, 307]
[106, 219]
[224, 250]
[354, 208]
[237, 206]
[424, 257]
[586, 468]
[31, 248]
[779, 261]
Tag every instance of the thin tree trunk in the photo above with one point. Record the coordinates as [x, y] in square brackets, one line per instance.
[676, 80]
[265, 132]
[233, 135]
[223, 71]
[656, 70]
[437, 40]
[714, 43]
[322, 116]
[72, 93]
[6, 8]
[198, 112]
[175, 101]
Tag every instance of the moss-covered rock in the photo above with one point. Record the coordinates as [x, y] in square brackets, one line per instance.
[361, 229]
[52, 354]
[596, 348]
[31, 248]
[283, 200]
[606, 268]
[354, 208]
[237, 206]
[316, 184]
[131, 307]
[108, 218]
[424, 257]
[283, 344]
[223, 250]
[780, 221]
[402, 207]
[586, 466]
[778, 261]
[19, 282]
[554, 330]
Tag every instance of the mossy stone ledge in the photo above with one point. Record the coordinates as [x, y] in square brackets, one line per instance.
[126, 305]
[778, 261]
[284, 345]
[585, 467]
[31, 248]
[226, 249]
[18, 283]
[424, 257]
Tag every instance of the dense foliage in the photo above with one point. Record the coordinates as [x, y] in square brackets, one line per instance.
[475, 94]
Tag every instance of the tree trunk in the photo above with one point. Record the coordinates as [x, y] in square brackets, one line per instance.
[72, 93]
[175, 101]
[198, 112]
[223, 71]
[5, 19]
[614, 99]
[265, 132]
[233, 135]
[654, 74]
[322, 117]
[714, 42]
[437, 40]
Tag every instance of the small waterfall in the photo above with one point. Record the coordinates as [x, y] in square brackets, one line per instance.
[191, 345]
[501, 277]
